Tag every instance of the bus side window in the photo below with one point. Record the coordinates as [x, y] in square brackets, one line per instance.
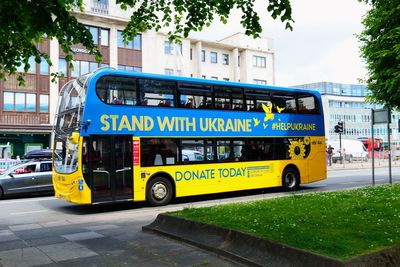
[307, 104]
[284, 103]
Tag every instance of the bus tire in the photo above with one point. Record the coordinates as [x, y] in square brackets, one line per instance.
[159, 191]
[1, 192]
[290, 179]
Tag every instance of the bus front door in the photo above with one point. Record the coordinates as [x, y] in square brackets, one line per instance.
[112, 172]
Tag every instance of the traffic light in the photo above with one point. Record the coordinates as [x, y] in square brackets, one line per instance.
[339, 128]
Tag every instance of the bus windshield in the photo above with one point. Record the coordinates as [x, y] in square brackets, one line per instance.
[70, 106]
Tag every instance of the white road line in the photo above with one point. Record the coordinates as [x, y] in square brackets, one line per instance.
[4, 202]
[27, 212]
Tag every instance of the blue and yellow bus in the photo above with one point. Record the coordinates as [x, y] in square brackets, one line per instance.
[146, 137]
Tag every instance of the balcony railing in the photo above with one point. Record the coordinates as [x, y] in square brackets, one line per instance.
[24, 119]
[98, 7]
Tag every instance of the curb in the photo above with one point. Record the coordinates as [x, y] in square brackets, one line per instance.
[253, 251]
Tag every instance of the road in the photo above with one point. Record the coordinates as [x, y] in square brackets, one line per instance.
[41, 209]
[44, 231]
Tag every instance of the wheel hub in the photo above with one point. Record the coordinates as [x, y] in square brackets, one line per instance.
[159, 191]
[290, 180]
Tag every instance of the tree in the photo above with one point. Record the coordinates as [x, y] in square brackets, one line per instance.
[25, 23]
[380, 48]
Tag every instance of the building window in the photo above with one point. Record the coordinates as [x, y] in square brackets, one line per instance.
[203, 56]
[104, 37]
[30, 103]
[260, 62]
[261, 82]
[8, 100]
[225, 59]
[19, 102]
[191, 54]
[82, 67]
[93, 66]
[94, 31]
[214, 57]
[214, 78]
[225, 79]
[169, 48]
[44, 66]
[32, 65]
[135, 44]
[62, 66]
[129, 68]
[44, 103]
[169, 72]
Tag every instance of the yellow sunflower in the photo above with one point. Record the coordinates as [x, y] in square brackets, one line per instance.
[297, 150]
[306, 140]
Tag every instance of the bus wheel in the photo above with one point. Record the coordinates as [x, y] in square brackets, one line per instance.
[290, 179]
[159, 191]
[1, 192]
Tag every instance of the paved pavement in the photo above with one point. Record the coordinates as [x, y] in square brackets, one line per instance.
[120, 243]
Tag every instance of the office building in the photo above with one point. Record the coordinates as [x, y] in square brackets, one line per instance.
[346, 102]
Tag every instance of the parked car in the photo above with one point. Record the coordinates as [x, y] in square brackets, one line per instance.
[352, 150]
[29, 177]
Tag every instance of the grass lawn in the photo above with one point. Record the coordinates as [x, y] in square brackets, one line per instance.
[337, 224]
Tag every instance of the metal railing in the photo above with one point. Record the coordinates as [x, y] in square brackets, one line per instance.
[24, 119]
[97, 7]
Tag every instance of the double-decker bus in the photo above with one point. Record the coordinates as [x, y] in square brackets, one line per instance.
[146, 137]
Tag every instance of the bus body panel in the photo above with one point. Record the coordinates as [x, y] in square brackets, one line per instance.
[72, 187]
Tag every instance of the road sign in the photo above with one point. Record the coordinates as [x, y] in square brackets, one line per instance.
[381, 116]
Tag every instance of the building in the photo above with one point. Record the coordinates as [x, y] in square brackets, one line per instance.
[346, 102]
[27, 112]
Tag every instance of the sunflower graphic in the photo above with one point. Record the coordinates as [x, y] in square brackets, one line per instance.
[297, 150]
[306, 140]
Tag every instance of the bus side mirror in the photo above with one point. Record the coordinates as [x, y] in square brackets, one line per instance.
[74, 138]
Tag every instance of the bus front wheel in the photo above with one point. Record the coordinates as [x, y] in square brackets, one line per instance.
[290, 179]
[159, 191]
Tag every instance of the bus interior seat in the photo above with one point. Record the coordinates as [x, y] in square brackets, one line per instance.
[158, 161]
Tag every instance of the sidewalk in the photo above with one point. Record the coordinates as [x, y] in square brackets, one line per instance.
[363, 165]
[120, 243]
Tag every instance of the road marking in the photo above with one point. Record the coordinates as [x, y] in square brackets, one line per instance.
[27, 212]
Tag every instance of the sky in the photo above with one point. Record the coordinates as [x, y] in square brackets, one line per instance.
[321, 47]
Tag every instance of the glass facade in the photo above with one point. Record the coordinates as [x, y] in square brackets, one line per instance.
[336, 88]
[346, 103]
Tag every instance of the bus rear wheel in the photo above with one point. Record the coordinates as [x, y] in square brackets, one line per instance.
[159, 191]
[290, 179]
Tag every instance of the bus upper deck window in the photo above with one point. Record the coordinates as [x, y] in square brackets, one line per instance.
[284, 103]
[307, 104]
